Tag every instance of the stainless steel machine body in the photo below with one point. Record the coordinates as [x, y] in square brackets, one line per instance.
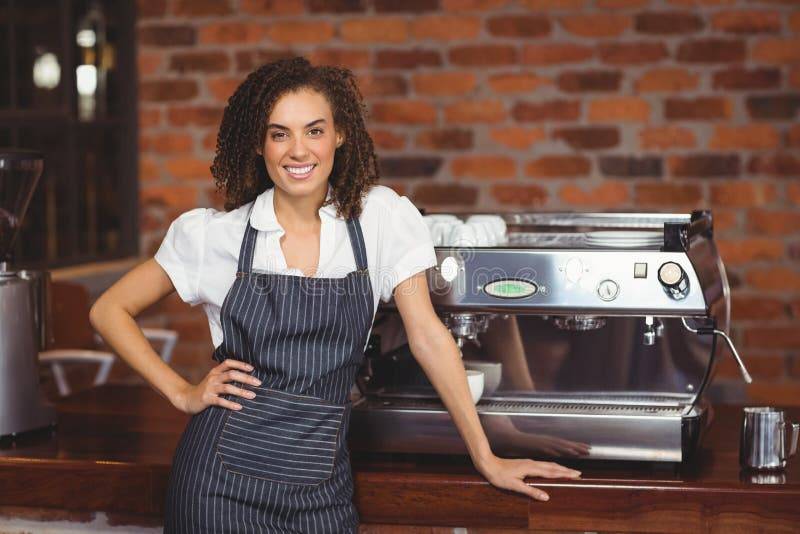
[596, 334]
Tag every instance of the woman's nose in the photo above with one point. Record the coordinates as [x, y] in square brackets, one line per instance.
[298, 150]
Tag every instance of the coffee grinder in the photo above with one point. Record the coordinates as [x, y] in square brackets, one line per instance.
[24, 304]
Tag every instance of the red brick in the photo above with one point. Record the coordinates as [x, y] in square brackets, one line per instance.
[631, 166]
[620, 108]
[473, 5]
[693, 3]
[404, 112]
[745, 136]
[178, 197]
[592, 80]
[167, 90]
[297, 31]
[374, 30]
[375, 85]
[778, 164]
[165, 35]
[774, 393]
[401, 166]
[793, 136]
[711, 50]
[597, 24]
[407, 6]
[336, 6]
[629, 53]
[704, 165]
[745, 250]
[519, 194]
[222, 88]
[747, 21]
[589, 138]
[445, 27]
[760, 367]
[388, 139]
[517, 82]
[517, 137]
[194, 115]
[744, 307]
[558, 167]
[538, 5]
[341, 57]
[165, 143]
[188, 168]
[773, 222]
[552, 110]
[773, 337]
[247, 60]
[483, 167]
[201, 8]
[148, 64]
[232, 32]
[150, 8]
[740, 78]
[775, 278]
[794, 22]
[199, 62]
[742, 194]
[149, 171]
[272, 7]
[479, 111]
[793, 193]
[659, 195]
[518, 26]
[619, 4]
[777, 50]
[445, 139]
[210, 141]
[726, 220]
[407, 59]
[441, 194]
[607, 194]
[556, 54]
[149, 118]
[483, 55]
[667, 137]
[700, 108]
[668, 22]
[667, 79]
[774, 106]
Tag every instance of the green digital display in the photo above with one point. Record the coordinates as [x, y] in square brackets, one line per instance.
[510, 289]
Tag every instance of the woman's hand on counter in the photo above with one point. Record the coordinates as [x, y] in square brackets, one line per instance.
[510, 473]
[193, 399]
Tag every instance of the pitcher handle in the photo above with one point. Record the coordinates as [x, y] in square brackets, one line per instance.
[792, 445]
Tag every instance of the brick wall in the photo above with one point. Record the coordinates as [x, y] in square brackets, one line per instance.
[526, 104]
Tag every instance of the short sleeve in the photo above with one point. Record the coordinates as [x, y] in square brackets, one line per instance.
[181, 253]
[406, 247]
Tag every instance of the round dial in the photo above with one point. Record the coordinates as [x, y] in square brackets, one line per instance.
[671, 274]
[608, 290]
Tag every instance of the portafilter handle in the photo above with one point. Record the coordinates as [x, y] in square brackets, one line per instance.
[715, 331]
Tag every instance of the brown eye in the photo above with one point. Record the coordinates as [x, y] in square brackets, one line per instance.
[315, 131]
[277, 136]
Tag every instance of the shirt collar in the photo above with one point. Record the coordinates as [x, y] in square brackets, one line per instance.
[263, 215]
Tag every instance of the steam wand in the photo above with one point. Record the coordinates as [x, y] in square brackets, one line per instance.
[715, 331]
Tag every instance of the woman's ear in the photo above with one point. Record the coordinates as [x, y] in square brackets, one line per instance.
[339, 140]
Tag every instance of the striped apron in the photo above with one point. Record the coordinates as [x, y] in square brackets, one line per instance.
[280, 464]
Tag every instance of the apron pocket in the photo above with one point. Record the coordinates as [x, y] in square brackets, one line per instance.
[280, 436]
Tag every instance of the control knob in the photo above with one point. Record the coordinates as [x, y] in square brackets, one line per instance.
[674, 280]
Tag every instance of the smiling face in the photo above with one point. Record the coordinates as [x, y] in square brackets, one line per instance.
[300, 143]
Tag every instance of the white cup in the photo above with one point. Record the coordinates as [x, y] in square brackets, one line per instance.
[475, 381]
[463, 235]
[484, 233]
[492, 374]
[495, 221]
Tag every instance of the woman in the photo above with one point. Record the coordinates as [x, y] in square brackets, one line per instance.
[290, 275]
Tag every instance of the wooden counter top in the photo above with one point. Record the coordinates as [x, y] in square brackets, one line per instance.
[113, 447]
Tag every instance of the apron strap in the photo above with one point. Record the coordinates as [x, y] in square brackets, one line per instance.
[248, 246]
[357, 242]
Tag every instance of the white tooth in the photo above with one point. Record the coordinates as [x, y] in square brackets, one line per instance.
[300, 170]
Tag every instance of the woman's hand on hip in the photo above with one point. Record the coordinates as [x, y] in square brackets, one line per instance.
[508, 473]
[196, 398]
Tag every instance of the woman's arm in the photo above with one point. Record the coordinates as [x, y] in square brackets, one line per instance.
[437, 353]
[112, 315]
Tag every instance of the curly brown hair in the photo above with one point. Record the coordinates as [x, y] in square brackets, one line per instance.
[240, 173]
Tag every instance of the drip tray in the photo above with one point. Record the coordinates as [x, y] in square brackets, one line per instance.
[588, 425]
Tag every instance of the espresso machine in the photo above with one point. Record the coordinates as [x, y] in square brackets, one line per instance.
[596, 333]
[24, 304]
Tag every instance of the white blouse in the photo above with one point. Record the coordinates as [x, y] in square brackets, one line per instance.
[201, 249]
